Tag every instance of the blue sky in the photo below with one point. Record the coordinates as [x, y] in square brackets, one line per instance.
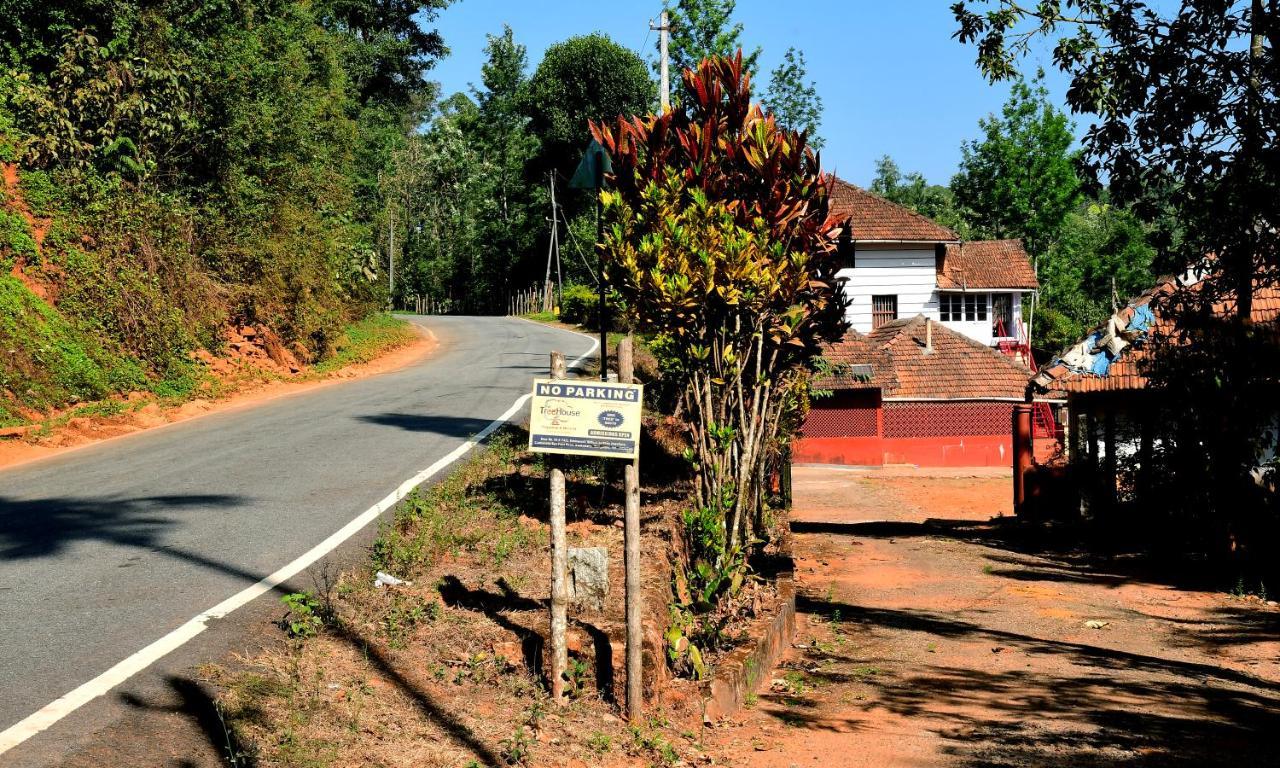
[892, 79]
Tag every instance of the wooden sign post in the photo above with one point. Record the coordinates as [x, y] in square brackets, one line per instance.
[559, 564]
[631, 553]
[591, 419]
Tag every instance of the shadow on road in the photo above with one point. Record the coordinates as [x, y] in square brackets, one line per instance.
[449, 426]
[45, 527]
[193, 702]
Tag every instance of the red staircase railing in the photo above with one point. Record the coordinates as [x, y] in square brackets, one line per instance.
[1043, 424]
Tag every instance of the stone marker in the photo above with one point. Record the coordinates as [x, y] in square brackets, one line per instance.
[589, 576]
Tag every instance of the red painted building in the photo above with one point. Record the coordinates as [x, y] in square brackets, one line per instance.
[913, 391]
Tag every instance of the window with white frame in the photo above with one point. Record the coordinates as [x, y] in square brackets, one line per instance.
[969, 307]
[975, 306]
[950, 307]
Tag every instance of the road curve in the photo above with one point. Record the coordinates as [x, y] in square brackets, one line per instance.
[105, 549]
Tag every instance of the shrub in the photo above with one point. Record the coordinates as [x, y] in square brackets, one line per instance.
[578, 304]
[16, 241]
[716, 237]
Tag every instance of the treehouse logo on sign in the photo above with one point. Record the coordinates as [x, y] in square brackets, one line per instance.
[559, 412]
[585, 419]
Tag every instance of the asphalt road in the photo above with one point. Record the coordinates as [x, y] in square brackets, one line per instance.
[105, 549]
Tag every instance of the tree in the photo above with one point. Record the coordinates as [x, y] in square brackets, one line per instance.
[794, 102]
[500, 133]
[584, 78]
[1019, 180]
[389, 47]
[913, 191]
[702, 28]
[1192, 97]
[1101, 258]
[717, 239]
[1186, 109]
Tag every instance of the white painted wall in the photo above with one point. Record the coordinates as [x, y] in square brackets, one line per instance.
[911, 275]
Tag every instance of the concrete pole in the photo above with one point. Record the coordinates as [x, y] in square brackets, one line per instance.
[1022, 454]
[559, 564]
[631, 554]
[664, 92]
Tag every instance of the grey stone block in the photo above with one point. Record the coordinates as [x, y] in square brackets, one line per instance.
[589, 576]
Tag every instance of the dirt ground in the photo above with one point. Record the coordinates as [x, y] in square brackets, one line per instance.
[932, 634]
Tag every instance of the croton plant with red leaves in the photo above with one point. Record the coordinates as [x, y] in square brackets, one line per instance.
[717, 235]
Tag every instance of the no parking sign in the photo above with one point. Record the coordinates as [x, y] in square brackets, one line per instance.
[586, 418]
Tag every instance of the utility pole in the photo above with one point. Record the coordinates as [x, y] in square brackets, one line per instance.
[547, 300]
[664, 78]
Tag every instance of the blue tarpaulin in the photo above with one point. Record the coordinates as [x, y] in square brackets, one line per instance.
[1142, 319]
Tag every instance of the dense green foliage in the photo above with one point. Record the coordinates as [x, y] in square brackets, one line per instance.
[1100, 258]
[794, 100]
[1019, 179]
[206, 164]
[48, 360]
[1186, 108]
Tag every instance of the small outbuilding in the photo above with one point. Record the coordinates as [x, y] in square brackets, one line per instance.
[1119, 422]
[914, 391]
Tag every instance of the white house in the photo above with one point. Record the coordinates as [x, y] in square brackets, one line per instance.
[900, 264]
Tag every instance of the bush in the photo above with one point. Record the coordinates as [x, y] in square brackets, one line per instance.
[15, 239]
[578, 305]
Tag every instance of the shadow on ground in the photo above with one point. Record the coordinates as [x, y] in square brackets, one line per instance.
[1105, 708]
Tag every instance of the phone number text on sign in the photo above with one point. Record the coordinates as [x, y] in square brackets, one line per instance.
[585, 418]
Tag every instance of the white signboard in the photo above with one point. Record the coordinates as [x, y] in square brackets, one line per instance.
[584, 418]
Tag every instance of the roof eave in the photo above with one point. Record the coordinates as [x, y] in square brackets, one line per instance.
[883, 241]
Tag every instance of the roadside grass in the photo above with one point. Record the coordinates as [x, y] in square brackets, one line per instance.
[445, 670]
[365, 340]
[543, 317]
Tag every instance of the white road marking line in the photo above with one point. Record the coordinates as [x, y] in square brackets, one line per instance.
[54, 711]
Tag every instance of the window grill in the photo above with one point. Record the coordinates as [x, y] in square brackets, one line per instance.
[884, 309]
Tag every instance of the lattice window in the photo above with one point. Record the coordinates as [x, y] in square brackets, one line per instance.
[947, 419]
[851, 414]
[884, 309]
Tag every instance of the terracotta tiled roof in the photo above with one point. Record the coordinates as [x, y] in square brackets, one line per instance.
[986, 264]
[957, 367]
[1127, 371]
[874, 218]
